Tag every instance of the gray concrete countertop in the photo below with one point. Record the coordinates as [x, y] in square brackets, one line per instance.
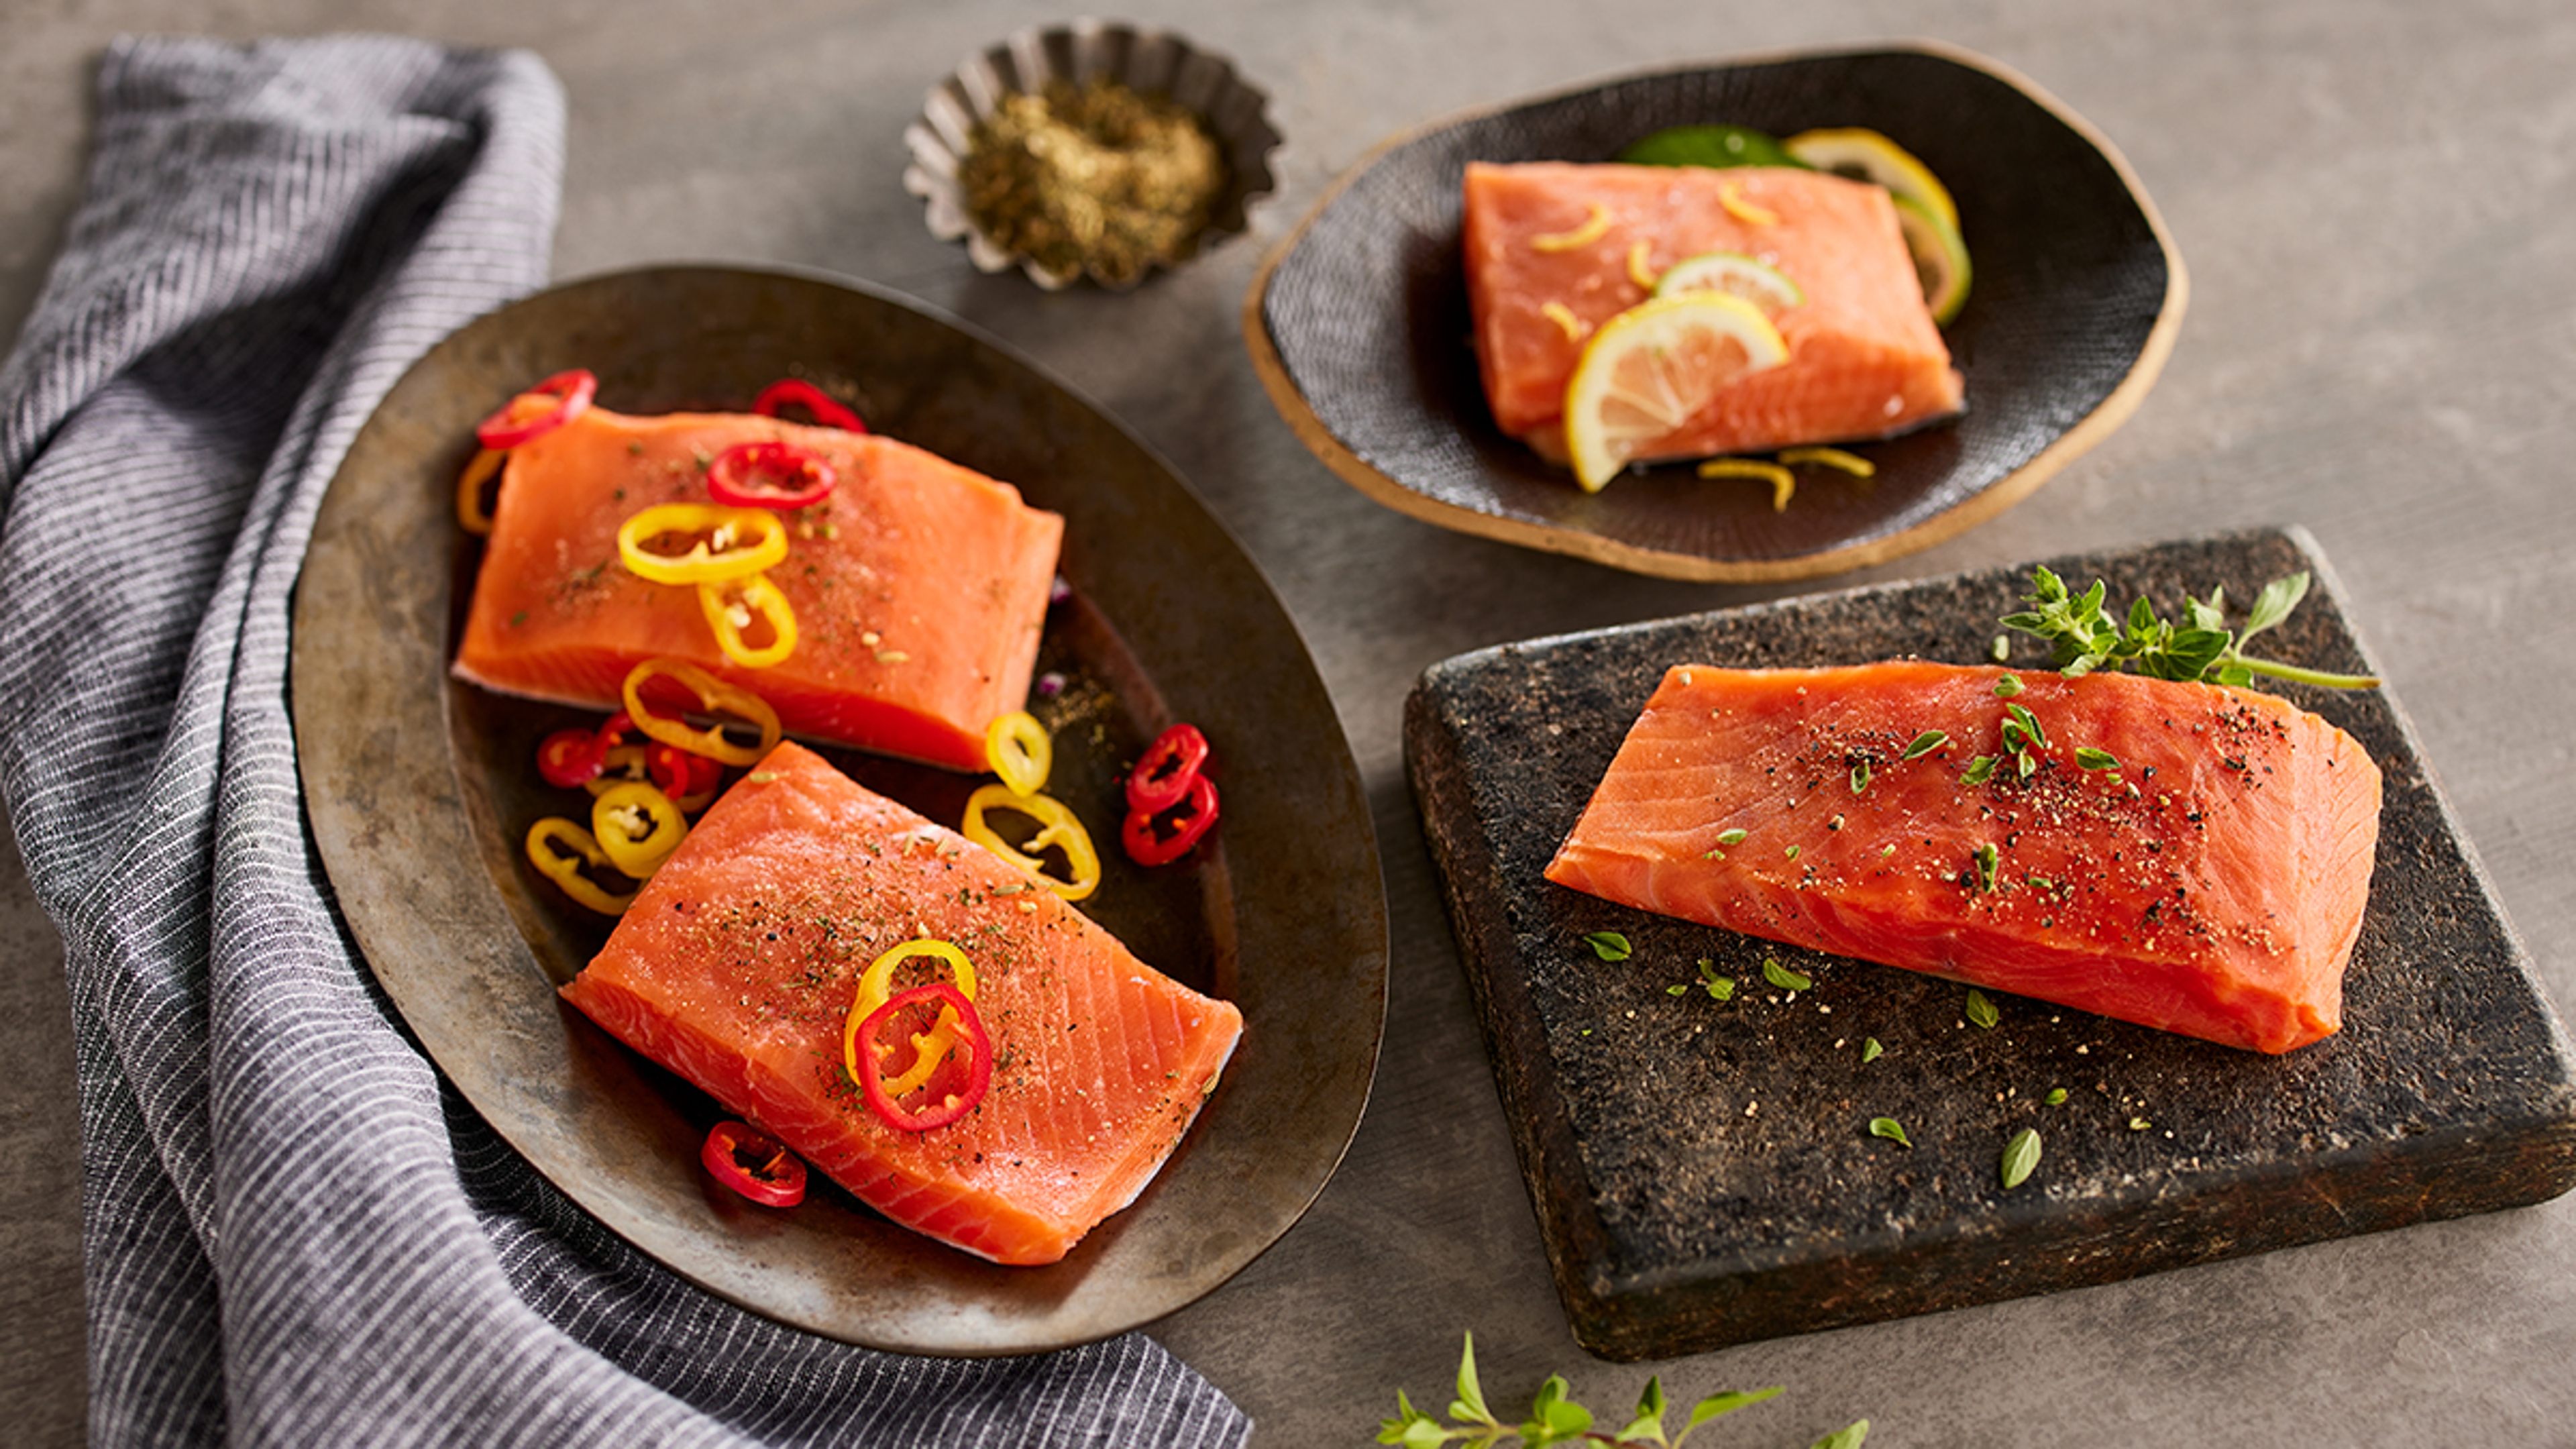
[2377, 204]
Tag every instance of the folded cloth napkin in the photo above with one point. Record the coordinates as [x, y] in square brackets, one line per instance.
[295, 1233]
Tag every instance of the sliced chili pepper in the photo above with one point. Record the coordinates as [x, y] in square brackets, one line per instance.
[770, 474]
[755, 1164]
[571, 757]
[721, 543]
[1057, 826]
[818, 404]
[549, 839]
[876, 988]
[943, 1099]
[1162, 777]
[1159, 837]
[690, 780]
[638, 826]
[734, 606]
[714, 696]
[1019, 750]
[538, 411]
[471, 515]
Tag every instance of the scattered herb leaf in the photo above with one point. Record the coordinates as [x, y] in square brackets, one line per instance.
[1870, 1050]
[2056, 1096]
[1860, 777]
[1981, 1012]
[1608, 945]
[1926, 742]
[2007, 686]
[2021, 1154]
[2139, 1124]
[1555, 1418]
[1721, 987]
[1891, 1129]
[1730, 837]
[1782, 977]
[1979, 770]
[1989, 861]
[2093, 759]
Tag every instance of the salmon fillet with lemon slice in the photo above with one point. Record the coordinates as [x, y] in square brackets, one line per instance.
[2185, 856]
[919, 587]
[737, 965]
[1555, 250]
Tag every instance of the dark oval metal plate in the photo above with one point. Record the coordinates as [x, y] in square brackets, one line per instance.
[419, 790]
[1359, 327]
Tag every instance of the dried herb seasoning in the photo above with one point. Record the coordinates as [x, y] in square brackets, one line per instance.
[1099, 177]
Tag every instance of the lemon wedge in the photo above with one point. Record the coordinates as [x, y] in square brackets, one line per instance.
[1865, 155]
[1735, 274]
[1940, 258]
[1649, 368]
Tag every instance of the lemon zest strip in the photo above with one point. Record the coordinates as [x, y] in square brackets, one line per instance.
[1638, 272]
[1852, 463]
[1745, 211]
[1565, 320]
[1783, 482]
[1594, 227]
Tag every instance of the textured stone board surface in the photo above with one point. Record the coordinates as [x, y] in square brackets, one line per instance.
[1703, 1171]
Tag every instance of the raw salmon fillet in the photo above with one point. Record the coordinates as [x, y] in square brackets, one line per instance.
[737, 963]
[1865, 359]
[2211, 884]
[920, 587]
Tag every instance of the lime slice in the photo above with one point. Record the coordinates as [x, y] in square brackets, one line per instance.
[1644, 373]
[1940, 258]
[1866, 155]
[1707, 146]
[1735, 274]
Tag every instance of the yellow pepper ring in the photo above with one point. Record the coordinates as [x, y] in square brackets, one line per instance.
[713, 695]
[1018, 749]
[757, 599]
[623, 763]
[1057, 826]
[548, 842]
[638, 826]
[724, 543]
[471, 515]
[876, 988]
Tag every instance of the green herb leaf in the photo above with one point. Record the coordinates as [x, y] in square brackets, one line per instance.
[2021, 1154]
[1608, 945]
[2139, 1124]
[1727, 1403]
[1979, 770]
[1470, 1403]
[1678, 990]
[2007, 686]
[1782, 977]
[1889, 1128]
[1648, 1425]
[1554, 1418]
[1870, 1050]
[2083, 638]
[1989, 861]
[1721, 987]
[1860, 777]
[2056, 1096]
[2093, 759]
[1849, 1436]
[1981, 1012]
[1926, 742]
[1730, 837]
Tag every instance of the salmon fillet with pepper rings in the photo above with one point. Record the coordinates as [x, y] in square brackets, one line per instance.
[737, 965]
[919, 587]
[2185, 856]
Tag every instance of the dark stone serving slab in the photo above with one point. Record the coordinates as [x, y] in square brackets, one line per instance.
[1703, 1171]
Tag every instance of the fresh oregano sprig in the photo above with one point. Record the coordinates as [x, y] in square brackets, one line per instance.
[1556, 1419]
[2083, 636]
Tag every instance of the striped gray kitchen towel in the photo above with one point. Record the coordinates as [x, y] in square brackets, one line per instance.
[295, 1233]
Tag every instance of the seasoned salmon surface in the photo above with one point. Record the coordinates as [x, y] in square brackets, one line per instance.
[1865, 359]
[919, 587]
[737, 963]
[2185, 856]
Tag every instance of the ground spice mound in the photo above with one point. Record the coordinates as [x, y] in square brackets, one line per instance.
[1099, 177]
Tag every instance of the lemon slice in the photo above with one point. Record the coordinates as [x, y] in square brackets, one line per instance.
[1940, 258]
[1865, 155]
[1735, 274]
[1649, 368]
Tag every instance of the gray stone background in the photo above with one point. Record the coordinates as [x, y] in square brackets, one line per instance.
[2377, 204]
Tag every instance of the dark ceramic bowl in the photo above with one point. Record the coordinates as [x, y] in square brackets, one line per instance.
[1358, 322]
[420, 791]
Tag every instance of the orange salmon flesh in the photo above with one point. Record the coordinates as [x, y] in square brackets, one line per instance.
[2211, 883]
[737, 964]
[1865, 359]
[919, 587]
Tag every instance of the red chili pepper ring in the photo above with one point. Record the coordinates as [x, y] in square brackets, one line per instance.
[943, 1098]
[818, 404]
[755, 1164]
[769, 475]
[538, 411]
[1144, 833]
[1162, 776]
